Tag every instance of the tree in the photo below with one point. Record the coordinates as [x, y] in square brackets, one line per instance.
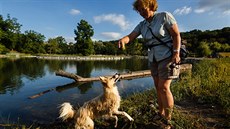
[53, 46]
[84, 43]
[99, 47]
[204, 49]
[225, 48]
[3, 49]
[134, 48]
[63, 46]
[9, 32]
[33, 42]
[57, 45]
[110, 48]
[215, 46]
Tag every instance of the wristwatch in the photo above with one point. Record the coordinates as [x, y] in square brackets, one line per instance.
[176, 50]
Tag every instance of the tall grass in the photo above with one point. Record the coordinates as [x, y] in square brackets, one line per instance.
[209, 82]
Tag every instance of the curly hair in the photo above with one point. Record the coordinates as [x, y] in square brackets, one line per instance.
[150, 4]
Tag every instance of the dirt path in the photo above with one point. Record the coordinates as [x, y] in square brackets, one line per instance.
[213, 117]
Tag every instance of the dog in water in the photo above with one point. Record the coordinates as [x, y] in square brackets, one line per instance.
[104, 106]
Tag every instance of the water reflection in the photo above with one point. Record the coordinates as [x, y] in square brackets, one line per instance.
[25, 77]
[12, 70]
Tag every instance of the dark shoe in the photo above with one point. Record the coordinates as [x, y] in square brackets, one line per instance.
[168, 124]
[158, 116]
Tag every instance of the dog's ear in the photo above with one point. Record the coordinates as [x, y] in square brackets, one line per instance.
[102, 79]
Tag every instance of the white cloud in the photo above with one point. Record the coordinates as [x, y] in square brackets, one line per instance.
[70, 39]
[226, 12]
[74, 12]
[111, 35]
[116, 19]
[222, 6]
[183, 11]
[202, 10]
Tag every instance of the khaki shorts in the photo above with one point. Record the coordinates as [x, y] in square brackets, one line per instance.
[163, 70]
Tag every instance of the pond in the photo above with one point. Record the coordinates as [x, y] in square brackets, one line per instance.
[25, 77]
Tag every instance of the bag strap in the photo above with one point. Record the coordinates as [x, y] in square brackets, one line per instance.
[162, 43]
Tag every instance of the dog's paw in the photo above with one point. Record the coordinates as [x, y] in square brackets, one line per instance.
[131, 119]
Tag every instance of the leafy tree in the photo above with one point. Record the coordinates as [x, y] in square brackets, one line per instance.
[84, 43]
[215, 46]
[53, 46]
[134, 48]
[204, 49]
[99, 48]
[63, 46]
[70, 48]
[110, 48]
[9, 32]
[57, 45]
[33, 42]
[3, 49]
[225, 48]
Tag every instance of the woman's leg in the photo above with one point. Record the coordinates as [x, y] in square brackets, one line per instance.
[161, 73]
[159, 99]
[166, 97]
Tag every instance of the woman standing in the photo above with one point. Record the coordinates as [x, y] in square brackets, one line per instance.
[158, 30]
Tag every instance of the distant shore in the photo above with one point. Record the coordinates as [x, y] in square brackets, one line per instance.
[72, 57]
[69, 57]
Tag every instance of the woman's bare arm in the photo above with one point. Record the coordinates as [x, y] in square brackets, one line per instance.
[127, 39]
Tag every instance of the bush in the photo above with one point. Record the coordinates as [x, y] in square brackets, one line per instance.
[3, 49]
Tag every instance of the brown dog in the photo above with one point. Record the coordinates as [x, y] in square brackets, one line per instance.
[106, 105]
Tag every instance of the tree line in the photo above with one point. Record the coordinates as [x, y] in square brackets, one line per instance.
[200, 43]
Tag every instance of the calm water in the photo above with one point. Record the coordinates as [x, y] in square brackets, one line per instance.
[21, 78]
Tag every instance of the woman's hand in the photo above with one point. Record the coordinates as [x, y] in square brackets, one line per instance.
[127, 39]
[176, 57]
[121, 44]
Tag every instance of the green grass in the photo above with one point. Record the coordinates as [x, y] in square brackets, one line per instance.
[207, 83]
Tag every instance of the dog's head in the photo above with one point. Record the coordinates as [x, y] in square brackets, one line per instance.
[110, 81]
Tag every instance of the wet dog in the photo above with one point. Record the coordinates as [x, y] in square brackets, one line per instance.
[104, 106]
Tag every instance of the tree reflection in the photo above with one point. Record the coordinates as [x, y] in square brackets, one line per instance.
[14, 70]
[83, 87]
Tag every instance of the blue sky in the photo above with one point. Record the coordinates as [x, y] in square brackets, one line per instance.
[110, 19]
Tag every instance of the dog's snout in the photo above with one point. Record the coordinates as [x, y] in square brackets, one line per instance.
[116, 77]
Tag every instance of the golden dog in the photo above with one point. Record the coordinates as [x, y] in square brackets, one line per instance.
[106, 106]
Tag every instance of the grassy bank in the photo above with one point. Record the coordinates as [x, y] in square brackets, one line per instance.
[206, 88]
[207, 83]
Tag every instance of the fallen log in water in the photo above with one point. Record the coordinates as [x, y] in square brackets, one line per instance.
[78, 78]
[129, 75]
